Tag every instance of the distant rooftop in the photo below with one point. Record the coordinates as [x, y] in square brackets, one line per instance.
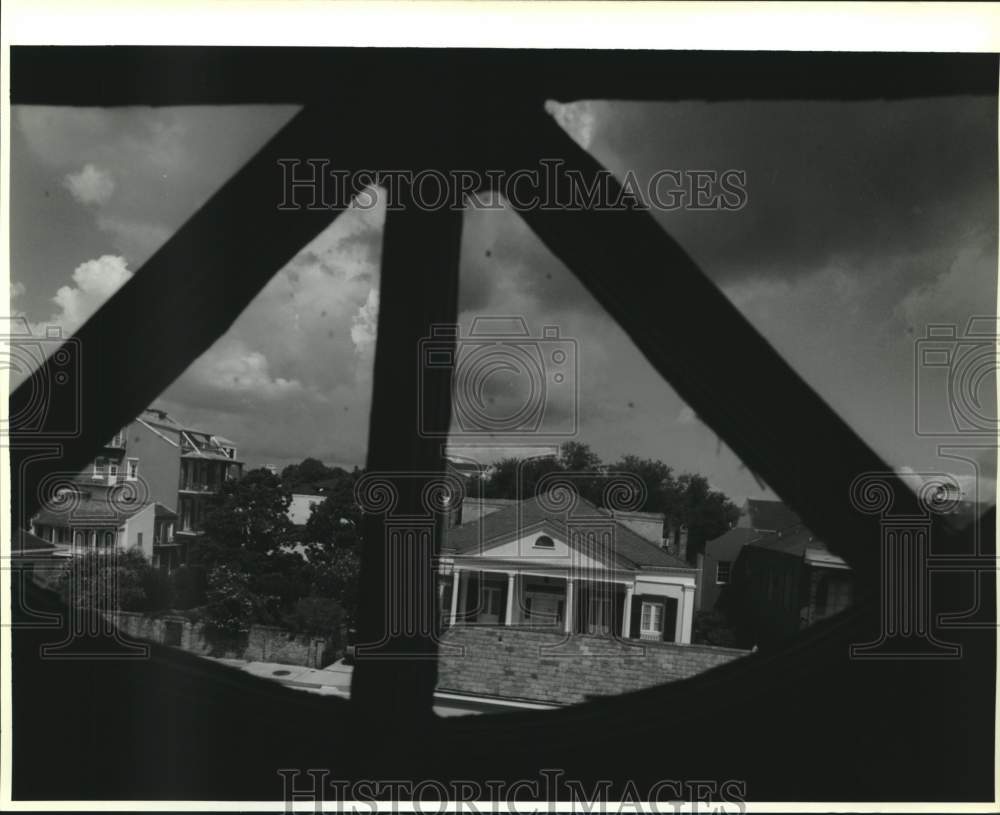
[771, 516]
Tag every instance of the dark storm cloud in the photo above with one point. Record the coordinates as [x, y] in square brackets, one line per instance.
[848, 182]
[886, 189]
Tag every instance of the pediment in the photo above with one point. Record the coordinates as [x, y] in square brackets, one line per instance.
[549, 544]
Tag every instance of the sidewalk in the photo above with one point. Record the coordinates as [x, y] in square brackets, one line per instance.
[333, 680]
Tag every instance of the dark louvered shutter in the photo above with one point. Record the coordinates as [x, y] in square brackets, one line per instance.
[636, 617]
[669, 618]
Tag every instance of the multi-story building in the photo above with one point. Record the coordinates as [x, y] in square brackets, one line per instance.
[148, 488]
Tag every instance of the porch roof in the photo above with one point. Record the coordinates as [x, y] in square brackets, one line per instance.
[86, 510]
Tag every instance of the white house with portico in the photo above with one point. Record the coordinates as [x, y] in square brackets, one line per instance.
[574, 570]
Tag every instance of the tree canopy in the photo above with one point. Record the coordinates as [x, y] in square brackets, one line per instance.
[250, 513]
[686, 499]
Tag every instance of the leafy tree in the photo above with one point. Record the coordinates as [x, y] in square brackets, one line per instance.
[705, 512]
[249, 514]
[309, 471]
[313, 475]
[335, 574]
[577, 457]
[108, 579]
[332, 523]
[319, 616]
[518, 478]
[337, 519]
[232, 606]
[188, 584]
[657, 478]
[157, 588]
[686, 500]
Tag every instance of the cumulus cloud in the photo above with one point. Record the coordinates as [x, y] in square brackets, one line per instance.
[91, 185]
[133, 237]
[365, 323]
[231, 366]
[93, 282]
[686, 416]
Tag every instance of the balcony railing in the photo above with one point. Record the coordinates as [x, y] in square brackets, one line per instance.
[200, 488]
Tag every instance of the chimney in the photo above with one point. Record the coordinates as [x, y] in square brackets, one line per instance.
[682, 542]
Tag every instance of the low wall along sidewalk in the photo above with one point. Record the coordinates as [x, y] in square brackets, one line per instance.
[262, 643]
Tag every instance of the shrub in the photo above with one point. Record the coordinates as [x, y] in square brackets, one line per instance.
[188, 585]
[157, 588]
[231, 607]
[105, 579]
[713, 628]
[319, 616]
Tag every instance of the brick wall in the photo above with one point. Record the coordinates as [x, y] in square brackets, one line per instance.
[545, 667]
[262, 643]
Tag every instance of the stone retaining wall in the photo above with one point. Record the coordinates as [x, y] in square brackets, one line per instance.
[549, 667]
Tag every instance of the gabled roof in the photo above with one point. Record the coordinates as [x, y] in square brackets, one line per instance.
[164, 512]
[93, 508]
[728, 545]
[800, 544]
[771, 516]
[27, 543]
[511, 521]
[794, 543]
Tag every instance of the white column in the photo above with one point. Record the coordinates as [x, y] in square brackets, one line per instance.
[568, 615]
[627, 614]
[685, 615]
[454, 595]
[509, 619]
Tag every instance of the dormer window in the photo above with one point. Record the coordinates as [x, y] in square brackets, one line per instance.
[544, 542]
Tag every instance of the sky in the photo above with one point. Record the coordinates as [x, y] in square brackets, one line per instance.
[865, 222]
